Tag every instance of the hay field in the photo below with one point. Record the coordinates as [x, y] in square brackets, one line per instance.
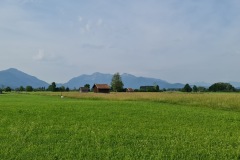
[228, 101]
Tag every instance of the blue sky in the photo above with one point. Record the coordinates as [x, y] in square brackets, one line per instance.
[174, 40]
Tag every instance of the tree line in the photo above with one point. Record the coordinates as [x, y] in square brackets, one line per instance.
[216, 87]
[117, 85]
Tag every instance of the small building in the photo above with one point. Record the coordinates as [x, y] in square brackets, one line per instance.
[129, 90]
[84, 90]
[101, 88]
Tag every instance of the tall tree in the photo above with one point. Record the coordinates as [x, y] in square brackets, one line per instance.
[52, 87]
[195, 88]
[117, 84]
[67, 89]
[187, 88]
[157, 88]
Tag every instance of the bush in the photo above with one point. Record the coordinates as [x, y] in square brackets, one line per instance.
[221, 87]
[29, 88]
[8, 89]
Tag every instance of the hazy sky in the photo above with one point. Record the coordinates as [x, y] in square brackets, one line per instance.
[174, 40]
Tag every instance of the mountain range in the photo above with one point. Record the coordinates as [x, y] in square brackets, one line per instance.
[130, 81]
[15, 78]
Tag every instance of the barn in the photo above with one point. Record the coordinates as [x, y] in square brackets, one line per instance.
[83, 90]
[101, 88]
[129, 90]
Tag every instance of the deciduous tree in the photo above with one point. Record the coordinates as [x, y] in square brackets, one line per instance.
[8, 89]
[117, 84]
[29, 88]
[221, 87]
[195, 89]
[87, 86]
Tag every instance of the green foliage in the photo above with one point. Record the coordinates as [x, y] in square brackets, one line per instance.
[195, 89]
[62, 89]
[117, 84]
[52, 87]
[47, 127]
[150, 88]
[221, 87]
[87, 86]
[21, 88]
[201, 89]
[29, 88]
[67, 89]
[187, 88]
[157, 88]
[8, 89]
[40, 89]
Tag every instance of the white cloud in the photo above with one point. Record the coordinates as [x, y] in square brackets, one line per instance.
[47, 57]
[89, 25]
[40, 55]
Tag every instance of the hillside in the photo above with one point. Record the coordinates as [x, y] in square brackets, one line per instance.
[128, 80]
[15, 78]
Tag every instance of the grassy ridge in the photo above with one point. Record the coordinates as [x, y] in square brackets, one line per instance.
[36, 127]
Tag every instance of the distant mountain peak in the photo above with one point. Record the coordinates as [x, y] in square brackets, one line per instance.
[98, 73]
[12, 70]
[129, 80]
[95, 73]
[127, 74]
[14, 78]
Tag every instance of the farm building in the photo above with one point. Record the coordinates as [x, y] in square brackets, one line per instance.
[101, 88]
[83, 90]
[129, 90]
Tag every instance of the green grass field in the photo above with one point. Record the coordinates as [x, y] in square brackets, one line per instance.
[120, 126]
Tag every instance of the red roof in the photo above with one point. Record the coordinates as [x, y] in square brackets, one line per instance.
[102, 86]
[130, 90]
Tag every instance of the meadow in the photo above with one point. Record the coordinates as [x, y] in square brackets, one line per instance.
[168, 125]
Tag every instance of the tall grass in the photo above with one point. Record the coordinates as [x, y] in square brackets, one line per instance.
[228, 101]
